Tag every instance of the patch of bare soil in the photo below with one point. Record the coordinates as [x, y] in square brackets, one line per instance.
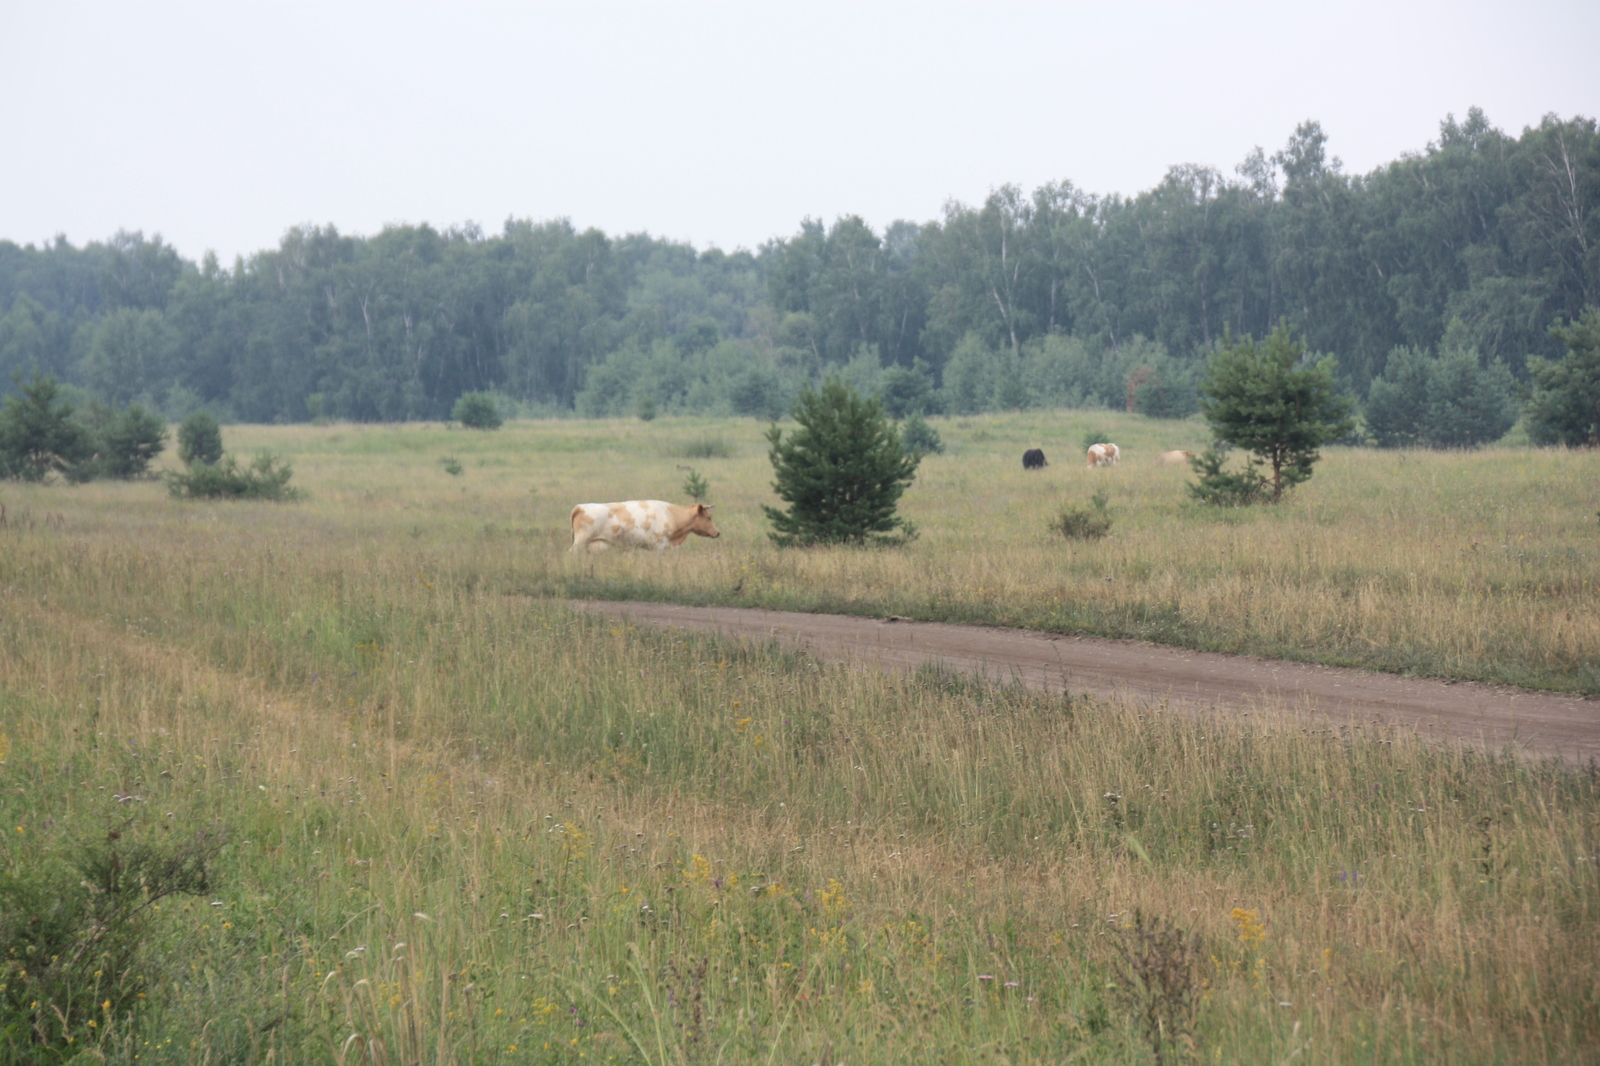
[1537, 724]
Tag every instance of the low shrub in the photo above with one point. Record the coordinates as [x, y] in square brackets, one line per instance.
[73, 939]
[477, 410]
[125, 444]
[1084, 523]
[263, 479]
[707, 448]
[920, 438]
[1219, 488]
[695, 486]
[200, 439]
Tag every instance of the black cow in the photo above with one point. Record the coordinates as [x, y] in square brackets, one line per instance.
[1033, 459]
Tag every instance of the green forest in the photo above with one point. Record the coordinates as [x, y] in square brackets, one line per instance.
[1446, 268]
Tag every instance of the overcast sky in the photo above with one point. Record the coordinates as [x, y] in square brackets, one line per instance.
[220, 125]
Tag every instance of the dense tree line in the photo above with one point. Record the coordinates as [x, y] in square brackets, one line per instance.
[1465, 252]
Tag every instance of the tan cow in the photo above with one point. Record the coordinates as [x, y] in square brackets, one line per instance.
[1103, 454]
[1174, 458]
[653, 524]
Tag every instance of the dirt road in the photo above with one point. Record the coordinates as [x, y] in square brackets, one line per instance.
[1538, 724]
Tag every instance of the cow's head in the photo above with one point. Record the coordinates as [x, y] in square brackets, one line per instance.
[701, 522]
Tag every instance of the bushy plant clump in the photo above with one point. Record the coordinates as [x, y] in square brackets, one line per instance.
[200, 439]
[263, 479]
[920, 438]
[1452, 400]
[1084, 523]
[1565, 405]
[477, 410]
[74, 952]
[43, 435]
[1098, 435]
[1228, 488]
[38, 435]
[212, 475]
[709, 446]
[128, 442]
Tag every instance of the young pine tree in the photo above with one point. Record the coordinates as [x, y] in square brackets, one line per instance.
[842, 472]
[1258, 397]
[130, 441]
[38, 435]
[200, 439]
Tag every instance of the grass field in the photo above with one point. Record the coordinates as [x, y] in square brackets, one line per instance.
[1480, 565]
[441, 819]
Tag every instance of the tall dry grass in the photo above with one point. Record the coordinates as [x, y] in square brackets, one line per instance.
[463, 821]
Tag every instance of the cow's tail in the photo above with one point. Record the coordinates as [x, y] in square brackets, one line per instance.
[579, 541]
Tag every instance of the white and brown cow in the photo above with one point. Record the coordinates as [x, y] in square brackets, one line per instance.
[1103, 454]
[1174, 458]
[653, 524]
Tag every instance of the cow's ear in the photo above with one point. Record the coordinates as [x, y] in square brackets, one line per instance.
[705, 508]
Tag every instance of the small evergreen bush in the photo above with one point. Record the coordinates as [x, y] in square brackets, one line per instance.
[919, 437]
[477, 410]
[130, 441]
[842, 472]
[1220, 488]
[38, 435]
[263, 479]
[200, 439]
[695, 487]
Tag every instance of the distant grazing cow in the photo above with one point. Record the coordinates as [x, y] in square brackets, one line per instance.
[652, 524]
[1033, 459]
[1103, 455]
[1174, 458]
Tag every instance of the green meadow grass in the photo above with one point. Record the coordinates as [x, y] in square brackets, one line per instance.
[455, 822]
